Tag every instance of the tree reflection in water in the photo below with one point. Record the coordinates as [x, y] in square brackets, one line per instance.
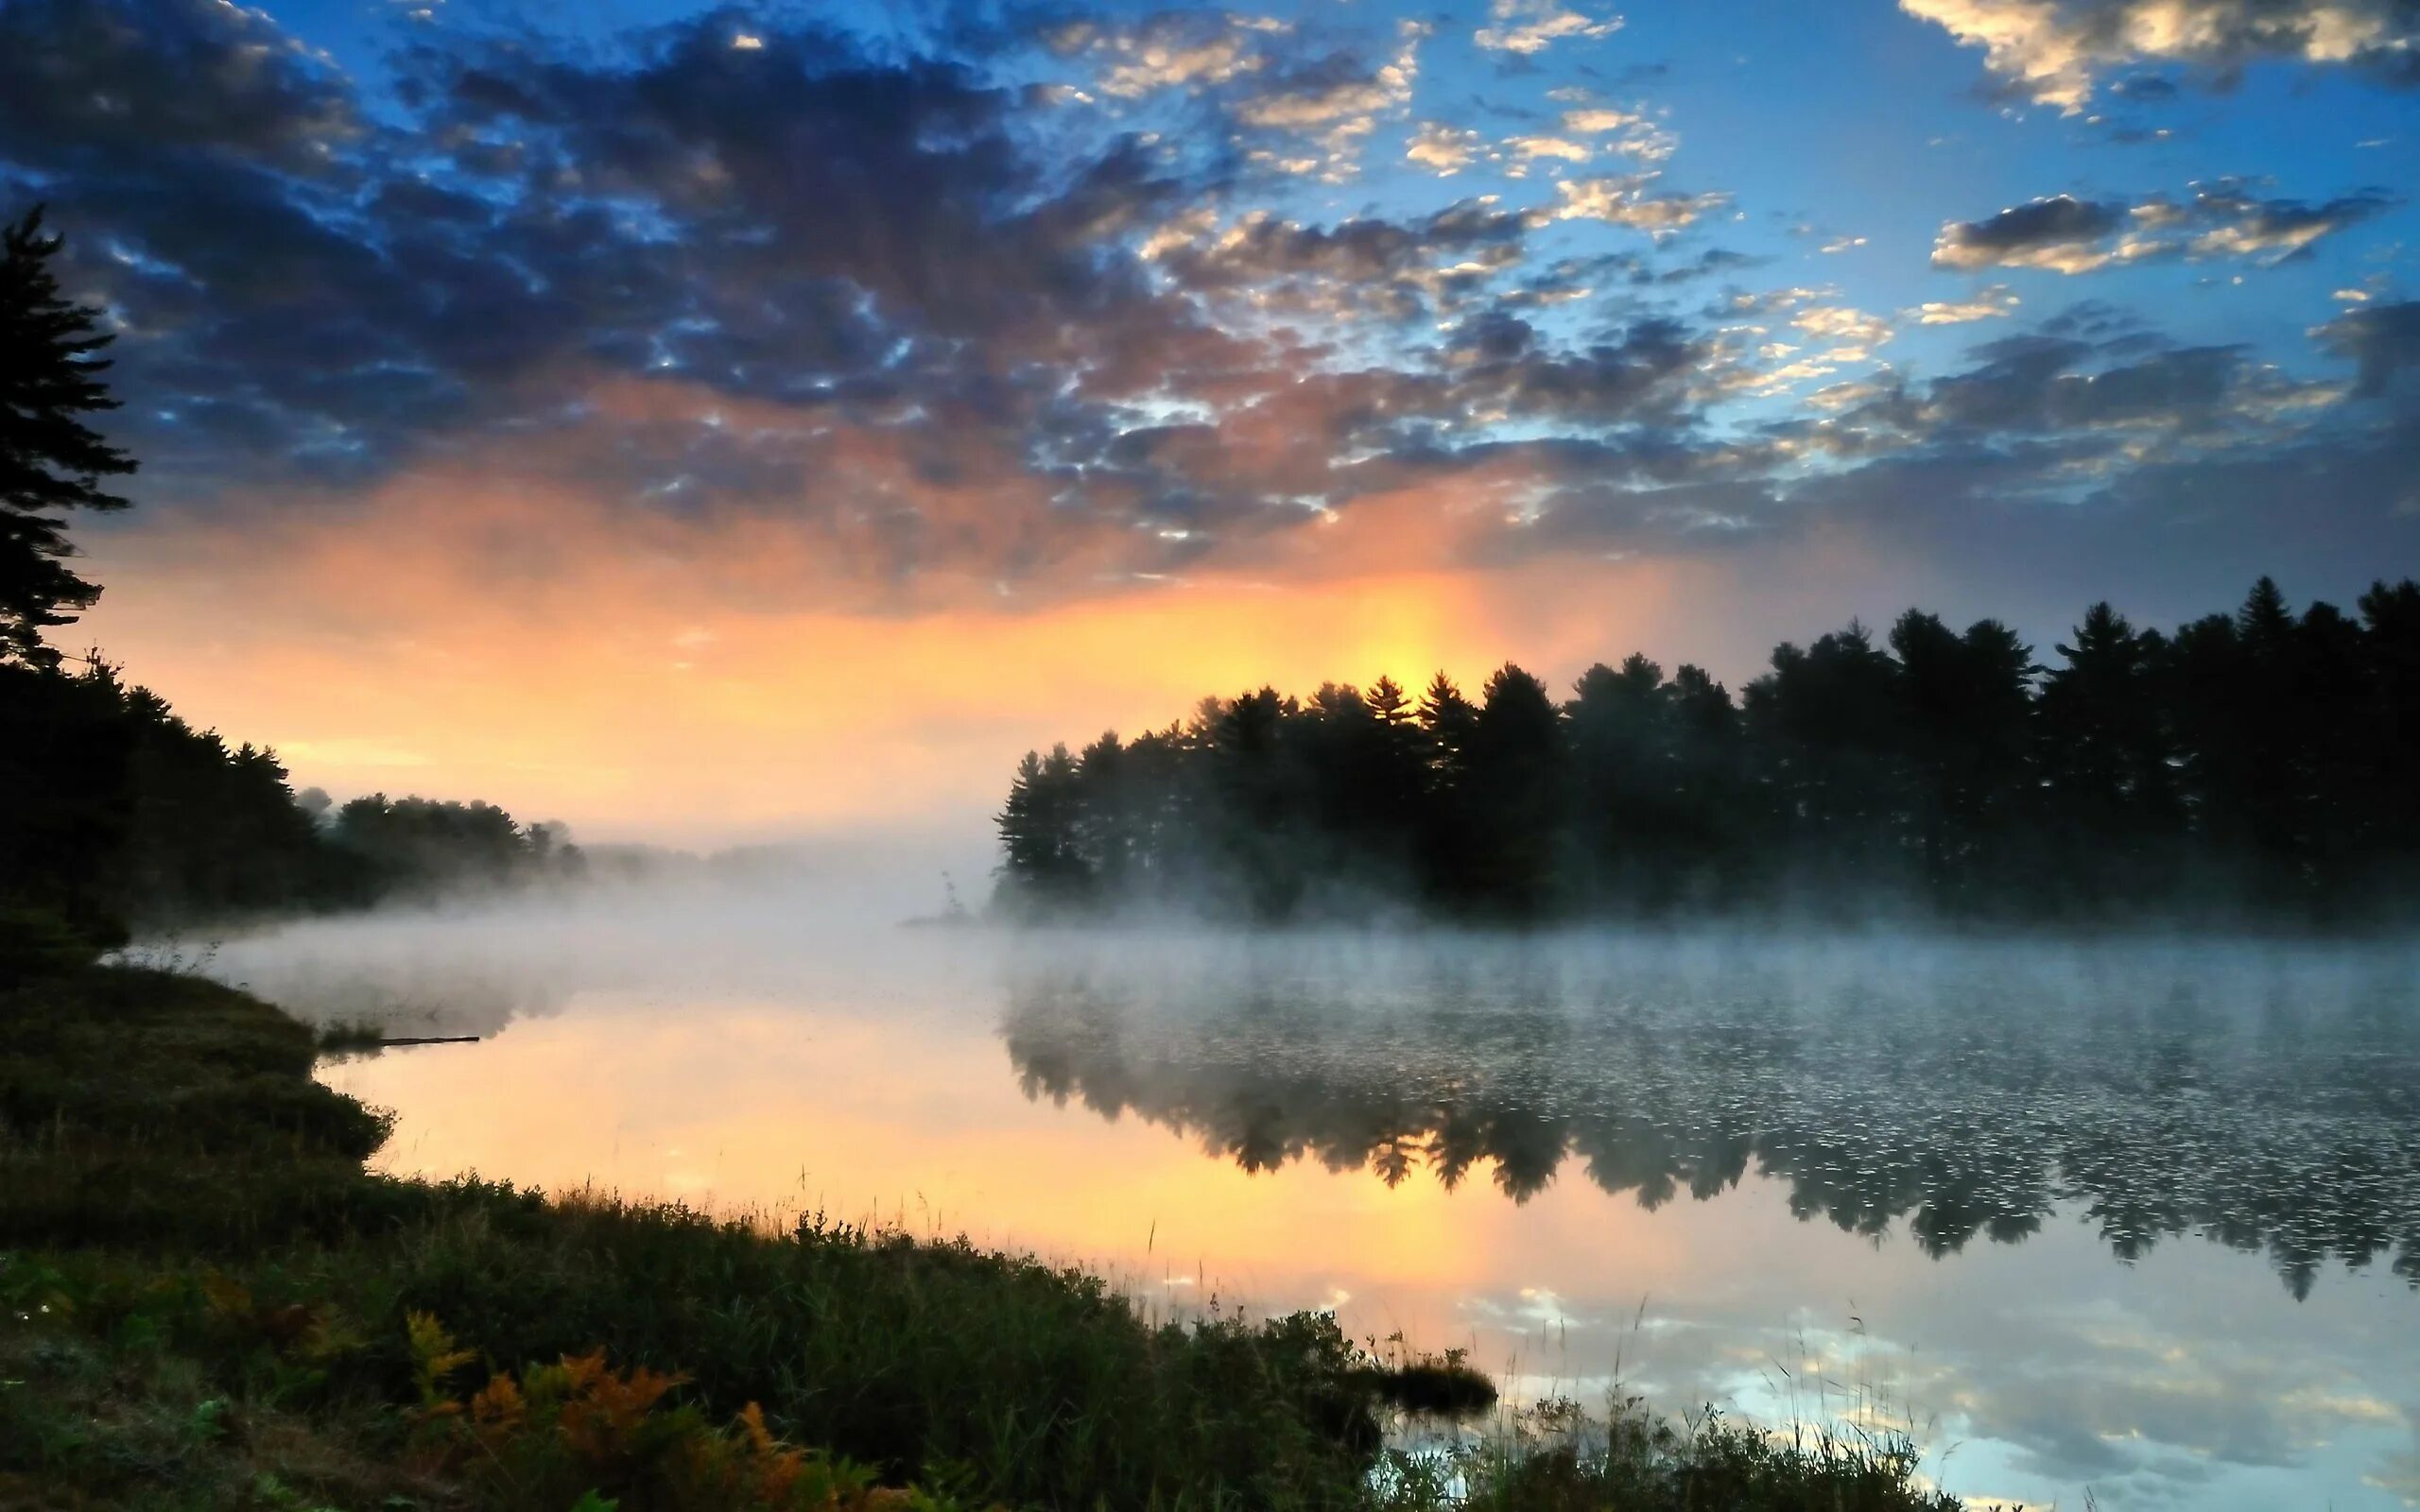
[2268, 1100]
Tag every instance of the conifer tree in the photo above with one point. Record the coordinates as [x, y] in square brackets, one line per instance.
[50, 461]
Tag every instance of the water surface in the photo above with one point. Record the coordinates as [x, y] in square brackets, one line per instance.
[2138, 1218]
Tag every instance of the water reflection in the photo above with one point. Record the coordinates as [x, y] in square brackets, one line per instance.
[2265, 1101]
[1779, 1148]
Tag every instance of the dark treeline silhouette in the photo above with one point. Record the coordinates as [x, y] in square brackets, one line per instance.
[113, 811]
[2257, 763]
[1959, 1098]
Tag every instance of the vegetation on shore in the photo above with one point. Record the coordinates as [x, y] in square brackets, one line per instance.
[2249, 767]
[207, 1301]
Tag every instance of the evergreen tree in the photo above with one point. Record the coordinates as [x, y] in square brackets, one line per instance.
[1713, 812]
[1448, 833]
[1108, 820]
[2107, 759]
[2244, 746]
[1396, 775]
[1041, 867]
[2390, 747]
[1517, 770]
[1623, 785]
[1965, 704]
[2259, 760]
[1260, 804]
[2335, 715]
[50, 461]
[1826, 725]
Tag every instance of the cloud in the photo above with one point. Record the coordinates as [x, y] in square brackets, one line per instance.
[2100, 407]
[1332, 104]
[1375, 266]
[1442, 149]
[899, 332]
[1295, 108]
[1564, 149]
[1629, 199]
[1987, 304]
[1175, 49]
[2270, 230]
[1525, 28]
[308, 294]
[2381, 340]
[2054, 51]
[2062, 232]
[2070, 235]
[1853, 331]
[94, 83]
[1634, 133]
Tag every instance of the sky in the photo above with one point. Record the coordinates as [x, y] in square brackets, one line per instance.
[712, 424]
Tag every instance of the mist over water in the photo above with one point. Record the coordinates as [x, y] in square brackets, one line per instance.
[2139, 1215]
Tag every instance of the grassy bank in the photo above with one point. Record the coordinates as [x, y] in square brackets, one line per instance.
[206, 1301]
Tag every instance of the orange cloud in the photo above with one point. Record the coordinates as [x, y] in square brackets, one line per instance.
[644, 674]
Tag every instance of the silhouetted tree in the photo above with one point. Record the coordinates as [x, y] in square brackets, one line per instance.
[1517, 769]
[1966, 703]
[1394, 778]
[1259, 787]
[2107, 764]
[2243, 754]
[66, 802]
[1828, 732]
[50, 461]
[1623, 755]
[1713, 812]
[2390, 747]
[2254, 763]
[1448, 831]
[418, 845]
[1043, 868]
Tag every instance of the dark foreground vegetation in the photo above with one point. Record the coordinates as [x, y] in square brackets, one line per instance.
[2252, 766]
[207, 1302]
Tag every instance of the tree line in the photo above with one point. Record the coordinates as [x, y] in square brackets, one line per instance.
[2257, 763]
[114, 812]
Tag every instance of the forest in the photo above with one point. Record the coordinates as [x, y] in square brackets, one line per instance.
[115, 815]
[2252, 766]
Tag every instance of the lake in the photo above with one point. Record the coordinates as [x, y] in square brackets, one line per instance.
[2134, 1218]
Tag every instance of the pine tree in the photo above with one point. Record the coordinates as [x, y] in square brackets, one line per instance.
[1519, 774]
[2107, 759]
[50, 461]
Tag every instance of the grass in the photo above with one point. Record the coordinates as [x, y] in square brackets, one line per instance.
[207, 1301]
[1556, 1458]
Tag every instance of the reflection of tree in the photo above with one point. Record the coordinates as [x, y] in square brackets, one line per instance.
[1969, 1103]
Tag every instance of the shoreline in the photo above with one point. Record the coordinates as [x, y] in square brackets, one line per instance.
[210, 1302]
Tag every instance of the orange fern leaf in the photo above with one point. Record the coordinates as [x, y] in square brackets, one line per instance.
[499, 1402]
